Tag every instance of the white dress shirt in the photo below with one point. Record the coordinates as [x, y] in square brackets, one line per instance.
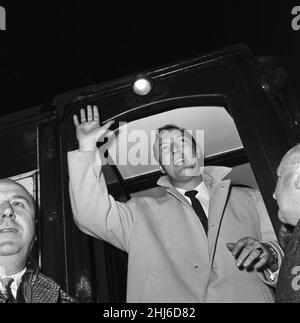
[17, 278]
[202, 196]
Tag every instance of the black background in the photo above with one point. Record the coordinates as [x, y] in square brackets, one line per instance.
[51, 47]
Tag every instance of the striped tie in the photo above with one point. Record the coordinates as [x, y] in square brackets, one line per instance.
[5, 291]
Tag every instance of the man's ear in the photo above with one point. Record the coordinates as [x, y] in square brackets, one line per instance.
[297, 180]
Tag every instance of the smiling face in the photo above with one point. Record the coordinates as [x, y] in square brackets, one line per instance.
[16, 220]
[287, 192]
[179, 156]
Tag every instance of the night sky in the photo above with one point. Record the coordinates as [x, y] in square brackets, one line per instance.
[52, 47]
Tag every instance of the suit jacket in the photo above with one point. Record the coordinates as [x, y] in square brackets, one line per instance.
[288, 286]
[170, 257]
[38, 288]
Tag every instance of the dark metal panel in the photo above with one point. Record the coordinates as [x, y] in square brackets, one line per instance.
[263, 134]
[53, 260]
[18, 151]
[92, 93]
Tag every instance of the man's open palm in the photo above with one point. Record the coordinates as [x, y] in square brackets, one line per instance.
[88, 129]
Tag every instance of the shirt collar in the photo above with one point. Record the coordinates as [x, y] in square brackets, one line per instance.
[201, 189]
[17, 277]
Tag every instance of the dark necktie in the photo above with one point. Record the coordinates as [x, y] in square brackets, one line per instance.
[198, 208]
[5, 292]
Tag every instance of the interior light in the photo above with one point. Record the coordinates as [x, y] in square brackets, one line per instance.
[142, 86]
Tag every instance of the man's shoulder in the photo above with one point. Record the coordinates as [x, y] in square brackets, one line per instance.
[149, 199]
[46, 281]
[243, 189]
[46, 290]
[246, 191]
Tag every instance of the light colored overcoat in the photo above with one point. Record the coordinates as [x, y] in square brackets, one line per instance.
[171, 259]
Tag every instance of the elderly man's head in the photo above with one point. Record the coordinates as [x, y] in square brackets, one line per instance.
[287, 191]
[17, 221]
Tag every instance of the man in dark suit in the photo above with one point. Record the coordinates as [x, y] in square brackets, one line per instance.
[287, 194]
[20, 279]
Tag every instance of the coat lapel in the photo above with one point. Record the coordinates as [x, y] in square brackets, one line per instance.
[45, 290]
[218, 199]
[179, 196]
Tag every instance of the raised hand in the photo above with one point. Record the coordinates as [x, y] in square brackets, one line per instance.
[88, 130]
